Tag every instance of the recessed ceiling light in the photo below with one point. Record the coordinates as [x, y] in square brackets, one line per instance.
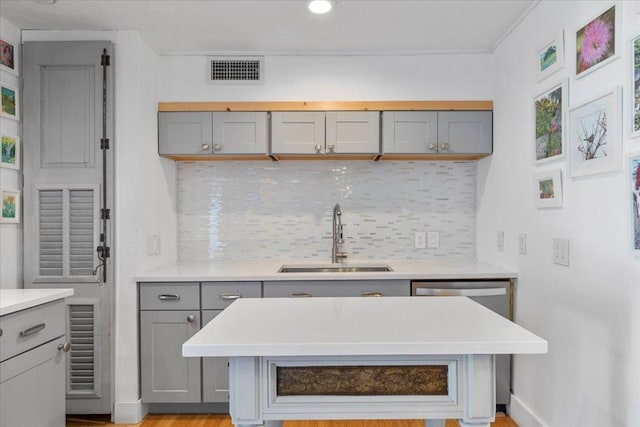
[320, 6]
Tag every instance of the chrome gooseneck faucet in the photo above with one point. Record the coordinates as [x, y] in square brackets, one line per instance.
[337, 238]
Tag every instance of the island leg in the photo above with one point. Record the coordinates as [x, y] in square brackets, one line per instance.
[434, 423]
[479, 390]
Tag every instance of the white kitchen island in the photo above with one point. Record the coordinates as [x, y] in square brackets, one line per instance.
[361, 358]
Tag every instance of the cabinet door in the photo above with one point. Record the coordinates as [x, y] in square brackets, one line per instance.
[215, 370]
[352, 132]
[297, 132]
[461, 132]
[184, 133]
[409, 132]
[166, 375]
[240, 133]
[32, 387]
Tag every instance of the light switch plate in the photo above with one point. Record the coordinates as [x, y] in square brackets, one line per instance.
[151, 245]
[433, 240]
[158, 248]
[522, 244]
[420, 240]
[500, 241]
[561, 251]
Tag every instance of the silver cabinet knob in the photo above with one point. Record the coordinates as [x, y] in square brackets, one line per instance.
[300, 295]
[191, 318]
[65, 347]
[433, 147]
[217, 147]
[206, 147]
[331, 147]
[444, 146]
[318, 148]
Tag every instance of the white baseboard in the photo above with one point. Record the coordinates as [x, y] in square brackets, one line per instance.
[129, 412]
[523, 415]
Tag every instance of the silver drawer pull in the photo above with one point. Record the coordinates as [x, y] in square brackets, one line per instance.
[32, 330]
[300, 295]
[483, 292]
[372, 294]
[168, 297]
[65, 347]
[230, 296]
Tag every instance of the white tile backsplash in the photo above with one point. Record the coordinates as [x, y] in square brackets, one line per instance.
[282, 210]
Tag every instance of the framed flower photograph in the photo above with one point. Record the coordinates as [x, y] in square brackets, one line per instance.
[10, 107]
[635, 85]
[597, 42]
[550, 109]
[634, 187]
[8, 56]
[10, 206]
[551, 56]
[595, 143]
[10, 152]
[548, 189]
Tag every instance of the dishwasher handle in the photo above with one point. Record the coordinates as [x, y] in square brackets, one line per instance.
[439, 292]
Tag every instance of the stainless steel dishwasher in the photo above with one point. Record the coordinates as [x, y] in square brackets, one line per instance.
[496, 295]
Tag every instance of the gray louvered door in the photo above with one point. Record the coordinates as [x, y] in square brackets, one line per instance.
[62, 101]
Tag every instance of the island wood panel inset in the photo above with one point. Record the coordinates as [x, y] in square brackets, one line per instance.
[403, 380]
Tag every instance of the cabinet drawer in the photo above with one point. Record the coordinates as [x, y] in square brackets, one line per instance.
[169, 296]
[336, 288]
[218, 295]
[26, 329]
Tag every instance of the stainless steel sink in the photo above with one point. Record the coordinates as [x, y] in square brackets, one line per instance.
[335, 268]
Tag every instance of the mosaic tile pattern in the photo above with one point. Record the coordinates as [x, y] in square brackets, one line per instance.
[283, 210]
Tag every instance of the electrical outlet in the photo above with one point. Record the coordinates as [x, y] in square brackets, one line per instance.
[433, 240]
[522, 244]
[420, 240]
[561, 251]
[500, 241]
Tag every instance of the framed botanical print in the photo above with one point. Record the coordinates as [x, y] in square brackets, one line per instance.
[548, 189]
[9, 61]
[550, 133]
[10, 107]
[551, 56]
[635, 86]
[595, 143]
[598, 41]
[634, 198]
[10, 152]
[10, 206]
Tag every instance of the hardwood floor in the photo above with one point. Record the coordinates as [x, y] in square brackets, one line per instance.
[215, 420]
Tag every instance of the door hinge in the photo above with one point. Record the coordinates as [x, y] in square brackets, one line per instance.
[105, 213]
[104, 252]
[104, 143]
[105, 59]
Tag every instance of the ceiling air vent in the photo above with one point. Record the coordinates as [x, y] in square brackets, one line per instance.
[236, 69]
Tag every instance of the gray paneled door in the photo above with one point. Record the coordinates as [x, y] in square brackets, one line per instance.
[63, 114]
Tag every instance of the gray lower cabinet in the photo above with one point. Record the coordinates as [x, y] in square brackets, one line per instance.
[212, 133]
[441, 132]
[336, 288]
[32, 367]
[215, 370]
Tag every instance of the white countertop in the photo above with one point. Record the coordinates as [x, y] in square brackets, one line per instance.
[359, 326]
[268, 270]
[12, 300]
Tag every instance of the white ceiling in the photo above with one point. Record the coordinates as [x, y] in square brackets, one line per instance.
[286, 26]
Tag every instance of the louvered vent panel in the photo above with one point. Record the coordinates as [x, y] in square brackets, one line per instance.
[238, 70]
[50, 230]
[81, 232]
[82, 360]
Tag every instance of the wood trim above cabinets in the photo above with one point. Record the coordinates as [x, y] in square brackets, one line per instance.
[328, 106]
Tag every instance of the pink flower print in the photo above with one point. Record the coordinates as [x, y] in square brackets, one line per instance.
[595, 42]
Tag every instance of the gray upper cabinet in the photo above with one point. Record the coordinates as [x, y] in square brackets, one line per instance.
[332, 132]
[442, 132]
[410, 132]
[207, 133]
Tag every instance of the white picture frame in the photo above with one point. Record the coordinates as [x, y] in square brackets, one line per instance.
[549, 122]
[10, 102]
[595, 58]
[634, 96]
[548, 189]
[9, 151]
[10, 206]
[633, 180]
[550, 56]
[9, 56]
[594, 139]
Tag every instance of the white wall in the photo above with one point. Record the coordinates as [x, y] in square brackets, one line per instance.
[10, 179]
[588, 311]
[145, 205]
[295, 78]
